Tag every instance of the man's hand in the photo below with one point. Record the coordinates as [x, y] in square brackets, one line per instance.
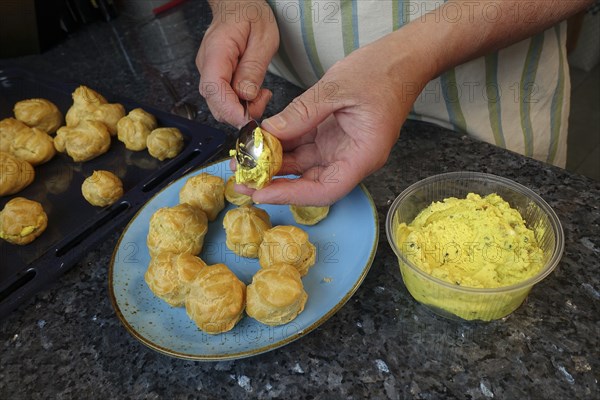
[233, 58]
[343, 128]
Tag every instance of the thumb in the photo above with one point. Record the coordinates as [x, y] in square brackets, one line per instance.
[302, 115]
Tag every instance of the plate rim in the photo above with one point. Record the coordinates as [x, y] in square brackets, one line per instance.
[253, 352]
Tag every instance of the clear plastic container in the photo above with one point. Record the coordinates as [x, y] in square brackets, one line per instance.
[466, 303]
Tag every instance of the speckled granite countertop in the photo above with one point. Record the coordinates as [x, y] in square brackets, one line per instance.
[68, 343]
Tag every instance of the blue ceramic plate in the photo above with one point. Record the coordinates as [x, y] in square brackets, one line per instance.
[346, 242]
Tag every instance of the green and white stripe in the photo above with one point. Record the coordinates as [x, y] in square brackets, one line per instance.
[492, 89]
[527, 90]
[556, 110]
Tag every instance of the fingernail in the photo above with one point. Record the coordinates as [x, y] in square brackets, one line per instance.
[277, 122]
[249, 89]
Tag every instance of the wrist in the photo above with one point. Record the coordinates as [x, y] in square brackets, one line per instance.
[407, 62]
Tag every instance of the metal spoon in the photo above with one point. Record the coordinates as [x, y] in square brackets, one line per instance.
[247, 153]
[180, 107]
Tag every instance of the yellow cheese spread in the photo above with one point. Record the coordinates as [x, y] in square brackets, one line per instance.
[478, 242]
[28, 230]
[266, 165]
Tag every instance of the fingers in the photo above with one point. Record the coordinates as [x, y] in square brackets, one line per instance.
[301, 159]
[250, 72]
[243, 189]
[221, 97]
[318, 186]
[216, 65]
[261, 45]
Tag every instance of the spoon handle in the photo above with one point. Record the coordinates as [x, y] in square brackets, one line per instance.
[246, 111]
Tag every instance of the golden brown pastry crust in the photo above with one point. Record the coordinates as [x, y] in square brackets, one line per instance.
[15, 174]
[244, 229]
[164, 143]
[39, 113]
[85, 101]
[178, 229]
[33, 145]
[169, 276]
[91, 105]
[239, 199]
[206, 192]
[83, 142]
[134, 128]
[22, 221]
[309, 215]
[287, 244]
[276, 295]
[216, 300]
[109, 115]
[102, 188]
[9, 127]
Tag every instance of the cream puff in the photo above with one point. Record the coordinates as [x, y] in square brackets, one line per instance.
[91, 105]
[287, 244]
[206, 192]
[169, 276]
[216, 299]
[84, 142]
[134, 128]
[15, 174]
[276, 295]
[164, 143]
[309, 215]
[244, 229]
[178, 229]
[8, 130]
[102, 188]
[39, 113]
[239, 199]
[33, 145]
[22, 221]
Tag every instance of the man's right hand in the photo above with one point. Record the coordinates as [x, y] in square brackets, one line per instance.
[233, 58]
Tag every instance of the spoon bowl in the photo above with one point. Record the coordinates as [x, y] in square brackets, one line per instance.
[247, 151]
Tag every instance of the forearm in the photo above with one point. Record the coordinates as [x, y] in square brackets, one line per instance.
[461, 30]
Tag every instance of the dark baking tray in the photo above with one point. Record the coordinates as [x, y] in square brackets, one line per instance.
[75, 226]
